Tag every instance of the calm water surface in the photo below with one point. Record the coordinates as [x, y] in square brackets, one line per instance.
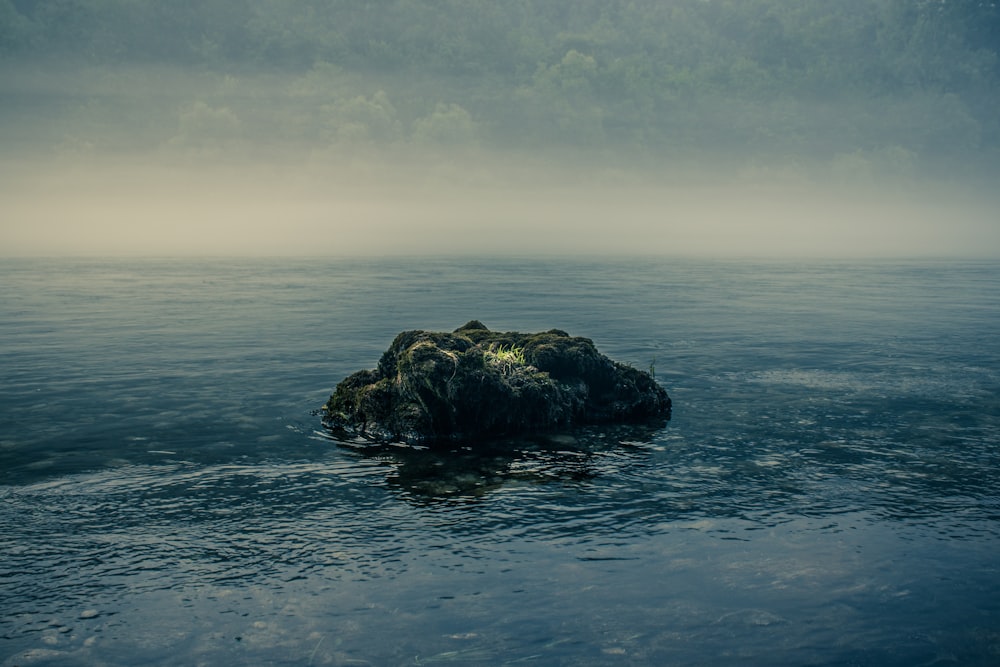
[825, 494]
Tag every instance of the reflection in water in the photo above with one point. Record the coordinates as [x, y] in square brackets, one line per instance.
[473, 470]
[824, 494]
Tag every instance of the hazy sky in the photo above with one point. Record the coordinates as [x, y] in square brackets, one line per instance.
[103, 208]
[247, 127]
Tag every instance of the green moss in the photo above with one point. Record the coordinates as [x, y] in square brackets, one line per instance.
[475, 383]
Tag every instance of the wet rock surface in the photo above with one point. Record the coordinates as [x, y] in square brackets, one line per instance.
[475, 383]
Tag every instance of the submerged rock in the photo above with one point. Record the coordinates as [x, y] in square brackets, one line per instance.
[475, 383]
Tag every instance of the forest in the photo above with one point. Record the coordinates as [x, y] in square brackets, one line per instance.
[851, 90]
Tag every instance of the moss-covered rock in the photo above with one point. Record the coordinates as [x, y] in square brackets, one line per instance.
[475, 383]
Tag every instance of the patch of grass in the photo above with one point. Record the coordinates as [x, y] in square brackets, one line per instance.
[505, 357]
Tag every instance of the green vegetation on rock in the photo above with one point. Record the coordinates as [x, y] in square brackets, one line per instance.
[474, 383]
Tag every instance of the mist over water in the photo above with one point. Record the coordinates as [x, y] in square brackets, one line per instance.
[212, 212]
[761, 128]
[107, 208]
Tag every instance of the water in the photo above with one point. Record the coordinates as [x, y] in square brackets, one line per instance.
[825, 494]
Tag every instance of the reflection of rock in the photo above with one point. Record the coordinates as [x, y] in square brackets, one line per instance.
[427, 473]
[475, 383]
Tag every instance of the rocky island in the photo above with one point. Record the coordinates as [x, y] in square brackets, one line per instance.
[432, 387]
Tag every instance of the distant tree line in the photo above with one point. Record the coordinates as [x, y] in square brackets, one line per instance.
[885, 85]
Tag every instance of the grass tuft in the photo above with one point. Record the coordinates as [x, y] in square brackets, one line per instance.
[506, 358]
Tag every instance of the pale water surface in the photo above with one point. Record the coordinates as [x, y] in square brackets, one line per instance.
[826, 493]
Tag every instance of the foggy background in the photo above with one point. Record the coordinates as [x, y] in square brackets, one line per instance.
[863, 128]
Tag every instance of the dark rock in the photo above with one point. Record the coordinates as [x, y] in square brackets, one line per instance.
[475, 383]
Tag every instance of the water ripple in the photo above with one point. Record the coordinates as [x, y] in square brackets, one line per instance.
[828, 479]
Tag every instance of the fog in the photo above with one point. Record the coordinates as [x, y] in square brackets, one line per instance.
[103, 208]
[756, 129]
